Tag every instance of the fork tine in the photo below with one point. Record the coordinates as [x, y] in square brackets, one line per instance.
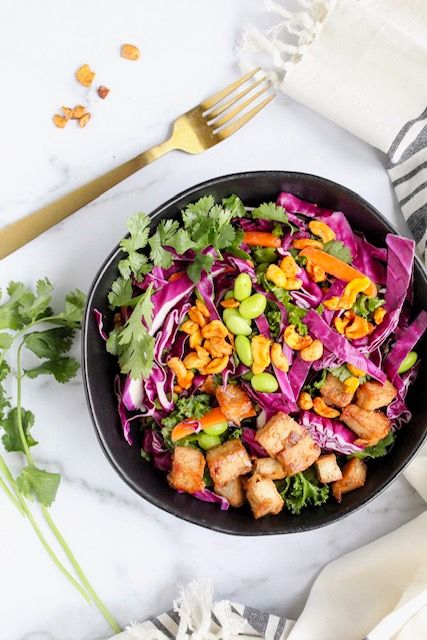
[237, 124]
[210, 102]
[226, 105]
[242, 105]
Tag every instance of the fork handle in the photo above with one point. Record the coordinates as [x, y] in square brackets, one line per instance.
[18, 233]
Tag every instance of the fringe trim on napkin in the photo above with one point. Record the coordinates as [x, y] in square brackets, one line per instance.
[287, 40]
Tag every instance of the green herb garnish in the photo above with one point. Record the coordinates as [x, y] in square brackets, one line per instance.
[339, 250]
[302, 490]
[378, 450]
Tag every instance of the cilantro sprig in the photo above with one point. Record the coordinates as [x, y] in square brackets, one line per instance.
[30, 328]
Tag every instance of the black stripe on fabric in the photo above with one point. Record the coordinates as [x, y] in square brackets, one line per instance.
[162, 628]
[280, 629]
[413, 193]
[419, 143]
[402, 133]
[409, 175]
[257, 619]
[173, 614]
[417, 223]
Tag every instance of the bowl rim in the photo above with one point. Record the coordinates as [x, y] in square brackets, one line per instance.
[87, 316]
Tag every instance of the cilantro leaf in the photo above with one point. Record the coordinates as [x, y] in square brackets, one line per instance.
[139, 229]
[181, 242]
[73, 312]
[50, 343]
[377, 450]
[6, 340]
[39, 484]
[196, 210]
[270, 211]
[200, 263]
[274, 318]
[339, 250]
[4, 401]
[302, 490]
[342, 373]
[63, 369]
[120, 293]
[163, 236]
[364, 306]
[33, 306]
[234, 205]
[11, 438]
[266, 255]
[9, 315]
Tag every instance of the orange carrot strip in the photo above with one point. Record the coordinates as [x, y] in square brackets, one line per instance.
[187, 427]
[336, 267]
[176, 276]
[261, 239]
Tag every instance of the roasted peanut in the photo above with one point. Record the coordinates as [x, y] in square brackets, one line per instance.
[196, 316]
[278, 358]
[78, 112]
[84, 120]
[316, 273]
[294, 340]
[351, 384]
[218, 347]
[276, 275]
[358, 328]
[217, 365]
[197, 360]
[130, 52]
[184, 377]
[353, 288]
[313, 352]
[215, 329]
[189, 327]
[332, 303]
[305, 401]
[68, 112]
[359, 373]
[322, 230]
[203, 309]
[85, 75]
[289, 266]
[292, 284]
[341, 323]
[379, 314]
[260, 346]
[230, 303]
[302, 243]
[59, 121]
[322, 409]
[195, 339]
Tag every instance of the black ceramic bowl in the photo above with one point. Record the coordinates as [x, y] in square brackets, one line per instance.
[99, 368]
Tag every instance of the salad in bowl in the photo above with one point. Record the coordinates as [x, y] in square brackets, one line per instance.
[263, 353]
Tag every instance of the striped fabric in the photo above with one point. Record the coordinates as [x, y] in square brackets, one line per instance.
[408, 172]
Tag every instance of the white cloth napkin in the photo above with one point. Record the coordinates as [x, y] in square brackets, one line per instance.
[362, 64]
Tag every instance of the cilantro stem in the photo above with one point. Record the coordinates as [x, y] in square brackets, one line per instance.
[51, 524]
[26, 510]
[11, 497]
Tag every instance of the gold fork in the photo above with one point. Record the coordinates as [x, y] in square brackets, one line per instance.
[210, 122]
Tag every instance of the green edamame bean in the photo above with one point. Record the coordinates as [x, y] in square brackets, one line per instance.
[216, 429]
[207, 442]
[408, 362]
[247, 377]
[253, 306]
[175, 398]
[237, 325]
[244, 351]
[228, 295]
[242, 287]
[228, 313]
[264, 382]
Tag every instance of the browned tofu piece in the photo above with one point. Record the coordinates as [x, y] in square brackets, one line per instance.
[299, 453]
[353, 477]
[333, 392]
[273, 434]
[188, 465]
[327, 468]
[228, 461]
[263, 497]
[268, 468]
[370, 426]
[233, 491]
[374, 395]
[234, 403]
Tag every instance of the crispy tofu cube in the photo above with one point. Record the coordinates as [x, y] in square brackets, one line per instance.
[370, 426]
[233, 491]
[353, 477]
[374, 395]
[273, 434]
[234, 403]
[188, 466]
[263, 497]
[268, 468]
[327, 468]
[228, 461]
[333, 392]
[299, 453]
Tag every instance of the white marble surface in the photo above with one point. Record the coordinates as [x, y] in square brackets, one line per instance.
[136, 554]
